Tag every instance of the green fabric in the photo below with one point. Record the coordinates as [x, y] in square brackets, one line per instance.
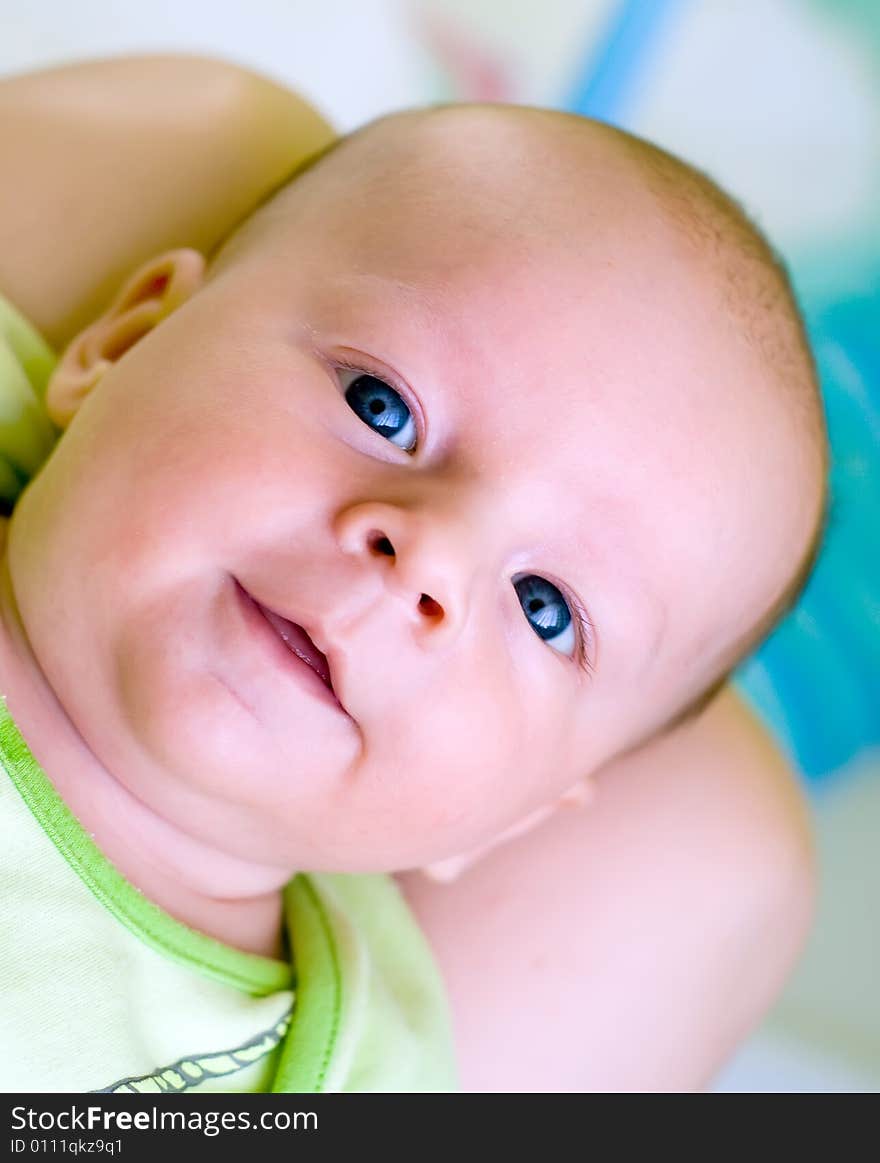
[371, 1012]
[27, 435]
[103, 990]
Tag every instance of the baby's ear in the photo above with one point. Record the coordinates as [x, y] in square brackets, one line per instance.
[154, 290]
[577, 796]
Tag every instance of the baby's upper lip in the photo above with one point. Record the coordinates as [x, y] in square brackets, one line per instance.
[315, 629]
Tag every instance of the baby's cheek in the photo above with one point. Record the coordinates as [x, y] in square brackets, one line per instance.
[461, 763]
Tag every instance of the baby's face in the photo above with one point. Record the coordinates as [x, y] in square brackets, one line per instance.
[516, 479]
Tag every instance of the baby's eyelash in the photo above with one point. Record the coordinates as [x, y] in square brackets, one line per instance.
[586, 635]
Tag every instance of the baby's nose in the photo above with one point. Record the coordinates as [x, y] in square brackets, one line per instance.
[416, 563]
[379, 543]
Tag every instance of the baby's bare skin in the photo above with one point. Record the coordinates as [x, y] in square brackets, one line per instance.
[706, 776]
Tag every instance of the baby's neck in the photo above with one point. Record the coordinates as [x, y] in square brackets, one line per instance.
[233, 900]
[177, 871]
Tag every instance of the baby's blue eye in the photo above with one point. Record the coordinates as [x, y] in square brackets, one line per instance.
[547, 612]
[379, 406]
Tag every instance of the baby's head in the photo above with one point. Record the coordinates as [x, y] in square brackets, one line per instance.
[512, 412]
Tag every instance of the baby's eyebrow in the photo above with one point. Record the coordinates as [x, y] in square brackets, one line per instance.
[629, 616]
[413, 294]
[429, 306]
[659, 623]
[613, 573]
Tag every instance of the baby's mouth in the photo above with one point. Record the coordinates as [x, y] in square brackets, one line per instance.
[300, 644]
[297, 640]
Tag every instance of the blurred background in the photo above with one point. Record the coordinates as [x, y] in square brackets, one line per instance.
[779, 101]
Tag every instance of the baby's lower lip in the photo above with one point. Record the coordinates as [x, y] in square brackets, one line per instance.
[297, 640]
[269, 637]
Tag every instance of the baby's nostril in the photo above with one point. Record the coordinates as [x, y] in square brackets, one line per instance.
[428, 606]
[381, 544]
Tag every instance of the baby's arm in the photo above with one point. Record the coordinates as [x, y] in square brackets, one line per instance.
[107, 163]
[631, 945]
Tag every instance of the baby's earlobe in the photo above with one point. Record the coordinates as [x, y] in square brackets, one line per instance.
[579, 793]
[147, 297]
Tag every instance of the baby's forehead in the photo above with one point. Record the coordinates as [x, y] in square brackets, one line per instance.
[526, 214]
[511, 180]
[488, 177]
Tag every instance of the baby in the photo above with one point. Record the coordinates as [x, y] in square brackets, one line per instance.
[476, 456]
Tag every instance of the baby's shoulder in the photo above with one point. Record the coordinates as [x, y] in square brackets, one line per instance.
[648, 930]
[170, 127]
